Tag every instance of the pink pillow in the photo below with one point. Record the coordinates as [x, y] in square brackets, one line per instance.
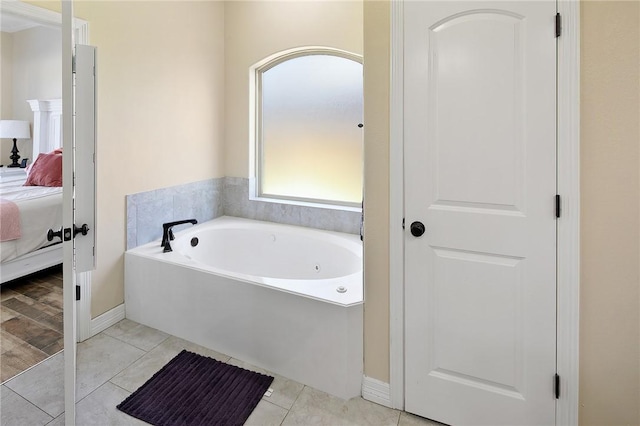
[46, 171]
[55, 151]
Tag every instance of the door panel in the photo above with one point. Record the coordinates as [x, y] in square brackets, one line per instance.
[480, 173]
[85, 135]
[474, 81]
[465, 284]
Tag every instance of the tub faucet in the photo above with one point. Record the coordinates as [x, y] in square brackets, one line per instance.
[167, 233]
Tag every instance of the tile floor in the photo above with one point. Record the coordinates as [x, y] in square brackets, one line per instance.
[31, 321]
[114, 363]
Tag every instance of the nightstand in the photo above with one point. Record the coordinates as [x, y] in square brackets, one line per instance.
[8, 174]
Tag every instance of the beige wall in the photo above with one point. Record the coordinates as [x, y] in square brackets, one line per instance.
[161, 96]
[376, 175]
[609, 354]
[610, 141]
[255, 30]
[160, 111]
[37, 74]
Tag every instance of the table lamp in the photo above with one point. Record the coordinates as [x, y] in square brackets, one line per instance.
[14, 129]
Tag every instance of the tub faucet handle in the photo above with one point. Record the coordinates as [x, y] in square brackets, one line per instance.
[167, 232]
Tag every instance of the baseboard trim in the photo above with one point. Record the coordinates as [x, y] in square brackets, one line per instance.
[106, 320]
[376, 391]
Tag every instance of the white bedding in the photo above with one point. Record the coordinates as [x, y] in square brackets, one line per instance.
[40, 210]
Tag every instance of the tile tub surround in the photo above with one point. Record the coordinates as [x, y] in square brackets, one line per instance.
[228, 196]
[147, 211]
[34, 398]
[236, 202]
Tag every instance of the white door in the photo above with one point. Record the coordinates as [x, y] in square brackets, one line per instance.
[480, 174]
[78, 103]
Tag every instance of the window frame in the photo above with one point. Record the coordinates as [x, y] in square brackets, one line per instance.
[256, 157]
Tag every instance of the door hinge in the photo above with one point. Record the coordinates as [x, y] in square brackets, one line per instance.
[73, 64]
[77, 292]
[558, 206]
[558, 25]
[556, 386]
[403, 223]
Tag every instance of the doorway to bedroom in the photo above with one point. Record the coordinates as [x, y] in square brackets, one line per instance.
[31, 303]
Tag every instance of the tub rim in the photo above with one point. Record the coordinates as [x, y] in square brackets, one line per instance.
[153, 250]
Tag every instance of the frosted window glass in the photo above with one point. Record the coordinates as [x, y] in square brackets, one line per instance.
[311, 143]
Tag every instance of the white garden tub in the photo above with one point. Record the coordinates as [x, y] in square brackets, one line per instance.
[285, 298]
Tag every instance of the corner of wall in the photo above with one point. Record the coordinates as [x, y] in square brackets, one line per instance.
[377, 40]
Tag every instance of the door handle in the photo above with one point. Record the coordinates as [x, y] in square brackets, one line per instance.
[417, 229]
[84, 230]
[51, 234]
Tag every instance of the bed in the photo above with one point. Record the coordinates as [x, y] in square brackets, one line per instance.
[40, 207]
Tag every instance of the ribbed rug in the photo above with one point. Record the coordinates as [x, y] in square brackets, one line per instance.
[196, 390]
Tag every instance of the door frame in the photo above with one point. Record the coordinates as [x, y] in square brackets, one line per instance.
[568, 225]
[54, 20]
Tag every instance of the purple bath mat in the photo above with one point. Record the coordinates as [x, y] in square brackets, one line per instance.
[196, 390]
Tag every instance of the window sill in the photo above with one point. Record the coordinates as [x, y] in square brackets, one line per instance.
[306, 204]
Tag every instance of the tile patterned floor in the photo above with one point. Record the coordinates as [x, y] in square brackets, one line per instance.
[31, 321]
[114, 363]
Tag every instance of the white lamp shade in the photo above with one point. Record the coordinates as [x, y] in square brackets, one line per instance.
[15, 129]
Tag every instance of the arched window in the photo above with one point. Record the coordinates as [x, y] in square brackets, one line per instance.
[308, 142]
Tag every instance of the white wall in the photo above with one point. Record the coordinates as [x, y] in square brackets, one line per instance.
[6, 75]
[36, 73]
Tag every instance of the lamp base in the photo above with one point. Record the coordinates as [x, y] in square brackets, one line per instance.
[14, 155]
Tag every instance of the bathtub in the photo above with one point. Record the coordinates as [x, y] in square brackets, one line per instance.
[284, 298]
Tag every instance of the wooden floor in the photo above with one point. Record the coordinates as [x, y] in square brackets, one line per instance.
[31, 321]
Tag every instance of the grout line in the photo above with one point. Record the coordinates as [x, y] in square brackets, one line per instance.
[47, 356]
[131, 344]
[129, 365]
[35, 301]
[11, 311]
[118, 386]
[271, 403]
[54, 419]
[163, 340]
[120, 371]
[107, 381]
[31, 403]
[34, 320]
[294, 403]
